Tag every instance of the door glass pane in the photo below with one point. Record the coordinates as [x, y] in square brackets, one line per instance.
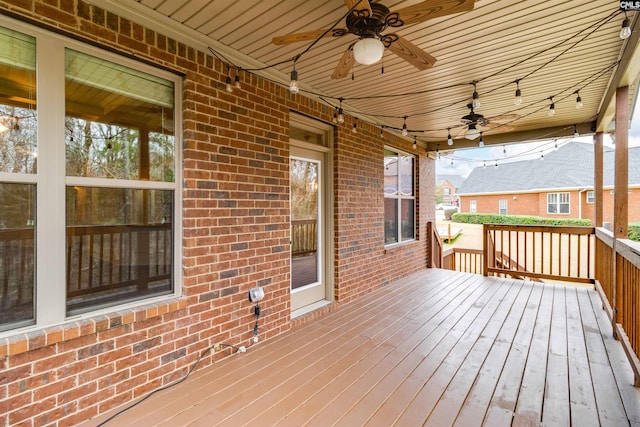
[17, 254]
[18, 119]
[304, 222]
[119, 246]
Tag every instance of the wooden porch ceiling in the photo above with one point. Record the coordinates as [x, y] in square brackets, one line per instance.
[555, 46]
[436, 348]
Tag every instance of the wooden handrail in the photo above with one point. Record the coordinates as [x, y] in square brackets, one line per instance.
[435, 247]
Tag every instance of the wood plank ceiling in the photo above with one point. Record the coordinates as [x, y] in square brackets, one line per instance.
[555, 47]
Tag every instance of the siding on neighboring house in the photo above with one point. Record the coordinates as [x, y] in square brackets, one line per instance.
[526, 184]
[236, 233]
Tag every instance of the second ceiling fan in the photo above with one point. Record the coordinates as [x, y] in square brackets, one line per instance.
[369, 20]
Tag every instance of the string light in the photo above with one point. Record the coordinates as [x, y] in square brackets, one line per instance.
[481, 142]
[405, 132]
[438, 151]
[575, 131]
[485, 164]
[475, 97]
[237, 79]
[229, 88]
[496, 164]
[518, 98]
[382, 131]
[504, 150]
[555, 144]
[579, 103]
[625, 31]
[451, 162]
[293, 84]
[541, 156]
[340, 113]
[335, 115]
[449, 139]
[355, 125]
[415, 142]
[552, 108]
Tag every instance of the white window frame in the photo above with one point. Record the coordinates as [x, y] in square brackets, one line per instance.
[502, 206]
[559, 196]
[473, 206]
[399, 197]
[51, 180]
[591, 197]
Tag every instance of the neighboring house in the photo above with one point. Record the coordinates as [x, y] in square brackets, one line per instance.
[561, 185]
[450, 185]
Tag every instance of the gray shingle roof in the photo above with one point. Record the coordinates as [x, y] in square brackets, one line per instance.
[568, 167]
[455, 180]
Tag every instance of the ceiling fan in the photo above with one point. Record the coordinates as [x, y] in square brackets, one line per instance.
[369, 20]
[476, 123]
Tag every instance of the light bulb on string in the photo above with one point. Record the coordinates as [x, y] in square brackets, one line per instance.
[382, 131]
[355, 125]
[293, 84]
[449, 139]
[625, 31]
[579, 103]
[228, 86]
[451, 162]
[555, 144]
[485, 164]
[481, 142]
[438, 151]
[517, 100]
[541, 155]
[237, 79]
[405, 132]
[496, 164]
[552, 108]
[504, 150]
[415, 142]
[475, 98]
[575, 131]
[335, 115]
[340, 112]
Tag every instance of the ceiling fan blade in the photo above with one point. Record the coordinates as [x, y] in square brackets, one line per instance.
[433, 9]
[308, 36]
[363, 5]
[504, 118]
[344, 65]
[497, 126]
[412, 54]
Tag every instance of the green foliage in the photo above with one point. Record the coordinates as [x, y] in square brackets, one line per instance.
[476, 218]
[448, 213]
[634, 231]
[439, 193]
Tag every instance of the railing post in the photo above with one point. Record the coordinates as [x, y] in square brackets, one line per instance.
[485, 249]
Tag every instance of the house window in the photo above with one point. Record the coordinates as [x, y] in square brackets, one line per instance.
[591, 197]
[106, 193]
[558, 203]
[502, 206]
[473, 206]
[447, 191]
[399, 197]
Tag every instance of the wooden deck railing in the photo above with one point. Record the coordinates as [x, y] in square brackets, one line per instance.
[304, 237]
[618, 282]
[540, 252]
[435, 247]
[465, 260]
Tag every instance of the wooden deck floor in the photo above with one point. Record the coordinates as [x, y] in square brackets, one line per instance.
[437, 348]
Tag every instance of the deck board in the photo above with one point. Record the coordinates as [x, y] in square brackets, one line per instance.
[435, 348]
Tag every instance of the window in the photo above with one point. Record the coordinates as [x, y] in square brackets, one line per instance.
[446, 191]
[473, 206]
[558, 203]
[106, 193]
[399, 197]
[591, 198]
[502, 206]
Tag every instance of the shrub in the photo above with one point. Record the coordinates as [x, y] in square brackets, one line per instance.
[449, 212]
[478, 218]
[634, 232]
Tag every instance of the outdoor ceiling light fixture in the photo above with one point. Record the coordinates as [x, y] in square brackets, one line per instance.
[449, 139]
[472, 133]
[368, 50]
[625, 31]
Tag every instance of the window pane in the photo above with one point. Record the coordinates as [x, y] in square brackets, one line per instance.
[119, 246]
[18, 118]
[390, 172]
[407, 220]
[390, 221]
[17, 254]
[406, 175]
[120, 122]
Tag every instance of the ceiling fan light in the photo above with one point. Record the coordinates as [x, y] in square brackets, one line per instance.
[368, 51]
[472, 133]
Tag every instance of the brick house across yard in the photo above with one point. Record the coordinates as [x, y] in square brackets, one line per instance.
[559, 186]
[450, 185]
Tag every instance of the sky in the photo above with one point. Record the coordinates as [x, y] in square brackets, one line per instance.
[464, 161]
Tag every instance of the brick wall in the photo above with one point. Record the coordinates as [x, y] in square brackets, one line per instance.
[235, 234]
[536, 204]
